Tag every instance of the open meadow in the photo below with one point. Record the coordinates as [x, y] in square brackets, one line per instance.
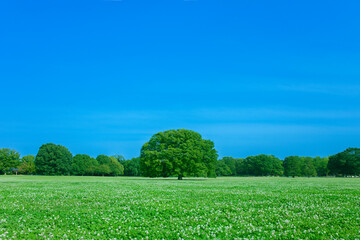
[35, 207]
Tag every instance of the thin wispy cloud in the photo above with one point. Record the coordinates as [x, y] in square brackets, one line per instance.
[333, 89]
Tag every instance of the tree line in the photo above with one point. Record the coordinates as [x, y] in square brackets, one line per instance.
[345, 163]
[180, 153]
[53, 159]
[57, 160]
[269, 165]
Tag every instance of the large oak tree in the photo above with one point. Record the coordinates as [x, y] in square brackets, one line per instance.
[178, 153]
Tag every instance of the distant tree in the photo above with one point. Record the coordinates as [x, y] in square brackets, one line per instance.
[9, 159]
[82, 164]
[53, 159]
[320, 164]
[178, 153]
[28, 158]
[103, 170]
[115, 168]
[240, 168]
[132, 167]
[103, 159]
[292, 166]
[93, 169]
[27, 165]
[307, 167]
[263, 165]
[121, 159]
[231, 163]
[222, 169]
[345, 163]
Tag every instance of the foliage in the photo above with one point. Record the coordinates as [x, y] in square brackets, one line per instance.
[300, 166]
[109, 166]
[103, 159]
[307, 167]
[116, 168]
[53, 159]
[240, 168]
[231, 163]
[263, 165]
[345, 163]
[321, 166]
[222, 169]
[292, 166]
[83, 164]
[178, 153]
[35, 207]
[9, 159]
[27, 165]
[120, 158]
[102, 170]
[132, 167]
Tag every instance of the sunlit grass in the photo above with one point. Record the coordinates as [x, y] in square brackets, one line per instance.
[33, 207]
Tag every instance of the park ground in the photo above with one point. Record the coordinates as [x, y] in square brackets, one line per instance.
[35, 207]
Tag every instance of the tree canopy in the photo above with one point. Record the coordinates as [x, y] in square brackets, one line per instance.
[83, 165]
[27, 165]
[9, 159]
[263, 165]
[53, 159]
[178, 153]
[345, 163]
[229, 166]
[109, 166]
[304, 166]
[132, 167]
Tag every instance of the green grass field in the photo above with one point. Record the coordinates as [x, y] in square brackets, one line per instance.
[34, 207]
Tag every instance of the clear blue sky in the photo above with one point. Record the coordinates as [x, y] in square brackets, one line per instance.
[101, 77]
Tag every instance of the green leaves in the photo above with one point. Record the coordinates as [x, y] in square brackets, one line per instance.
[82, 164]
[345, 163]
[263, 165]
[9, 159]
[305, 166]
[53, 159]
[132, 167]
[27, 165]
[178, 153]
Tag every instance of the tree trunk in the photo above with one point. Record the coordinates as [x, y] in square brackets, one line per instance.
[180, 177]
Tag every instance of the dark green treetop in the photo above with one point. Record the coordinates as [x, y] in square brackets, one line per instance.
[263, 165]
[345, 163]
[307, 167]
[320, 164]
[82, 164]
[132, 167]
[222, 169]
[292, 166]
[53, 159]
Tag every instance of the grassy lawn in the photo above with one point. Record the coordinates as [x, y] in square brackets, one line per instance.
[34, 207]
